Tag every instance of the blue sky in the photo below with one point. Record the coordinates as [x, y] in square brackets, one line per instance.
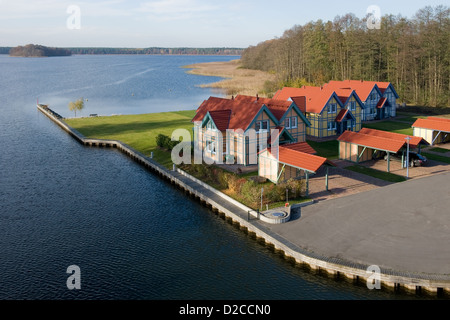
[173, 23]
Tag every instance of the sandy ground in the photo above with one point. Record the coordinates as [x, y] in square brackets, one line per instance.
[237, 80]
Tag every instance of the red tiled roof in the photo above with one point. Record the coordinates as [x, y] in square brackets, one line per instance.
[315, 98]
[381, 103]
[241, 112]
[221, 118]
[300, 146]
[300, 160]
[433, 123]
[439, 119]
[277, 107]
[362, 88]
[341, 115]
[372, 141]
[414, 142]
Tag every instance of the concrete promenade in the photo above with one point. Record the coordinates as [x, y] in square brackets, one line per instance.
[403, 228]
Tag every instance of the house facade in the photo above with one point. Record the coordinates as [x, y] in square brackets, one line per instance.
[330, 113]
[235, 130]
[379, 98]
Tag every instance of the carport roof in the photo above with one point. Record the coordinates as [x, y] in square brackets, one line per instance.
[433, 123]
[372, 141]
[414, 142]
[293, 157]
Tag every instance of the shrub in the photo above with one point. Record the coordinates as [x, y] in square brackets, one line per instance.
[166, 142]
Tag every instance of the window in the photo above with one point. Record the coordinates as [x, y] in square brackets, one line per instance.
[352, 106]
[262, 125]
[331, 125]
[332, 108]
[294, 122]
[350, 124]
[210, 126]
[211, 146]
[287, 123]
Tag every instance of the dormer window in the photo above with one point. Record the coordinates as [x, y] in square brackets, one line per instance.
[262, 126]
[332, 108]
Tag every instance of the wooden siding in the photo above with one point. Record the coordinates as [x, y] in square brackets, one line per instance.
[299, 133]
[319, 122]
[354, 153]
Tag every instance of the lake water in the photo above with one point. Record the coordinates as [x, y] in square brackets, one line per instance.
[132, 234]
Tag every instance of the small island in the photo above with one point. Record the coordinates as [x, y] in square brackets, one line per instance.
[32, 50]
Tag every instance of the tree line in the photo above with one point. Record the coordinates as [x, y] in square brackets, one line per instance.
[32, 50]
[413, 54]
[37, 50]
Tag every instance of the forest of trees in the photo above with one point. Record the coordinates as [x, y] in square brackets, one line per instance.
[413, 54]
[32, 50]
[158, 50]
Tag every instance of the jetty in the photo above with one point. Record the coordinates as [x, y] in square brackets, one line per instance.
[275, 234]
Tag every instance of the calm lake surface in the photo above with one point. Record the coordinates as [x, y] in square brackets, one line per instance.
[132, 234]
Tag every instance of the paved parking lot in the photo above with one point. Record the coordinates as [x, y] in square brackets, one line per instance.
[344, 182]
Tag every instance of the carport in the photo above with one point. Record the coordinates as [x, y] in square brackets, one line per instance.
[291, 161]
[433, 129]
[364, 145]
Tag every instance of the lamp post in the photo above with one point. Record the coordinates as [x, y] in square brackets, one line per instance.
[408, 138]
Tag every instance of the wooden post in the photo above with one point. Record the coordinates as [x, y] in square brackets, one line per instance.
[307, 183]
[388, 162]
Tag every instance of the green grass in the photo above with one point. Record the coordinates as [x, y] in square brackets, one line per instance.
[435, 157]
[137, 131]
[440, 150]
[409, 117]
[392, 126]
[326, 149]
[386, 176]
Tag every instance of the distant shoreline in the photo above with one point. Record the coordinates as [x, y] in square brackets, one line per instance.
[237, 79]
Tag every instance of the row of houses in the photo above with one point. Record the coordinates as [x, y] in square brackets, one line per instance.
[339, 106]
[272, 132]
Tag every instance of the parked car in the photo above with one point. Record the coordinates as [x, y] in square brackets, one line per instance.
[415, 159]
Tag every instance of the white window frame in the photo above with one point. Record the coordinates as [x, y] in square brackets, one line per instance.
[332, 108]
[294, 123]
[352, 106]
[334, 127]
[259, 126]
[287, 123]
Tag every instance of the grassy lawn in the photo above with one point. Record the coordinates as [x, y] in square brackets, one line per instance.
[393, 126]
[436, 157]
[137, 131]
[405, 116]
[440, 150]
[387, 176]
[326, 149]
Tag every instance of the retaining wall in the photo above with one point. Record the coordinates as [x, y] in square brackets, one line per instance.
[239, 215]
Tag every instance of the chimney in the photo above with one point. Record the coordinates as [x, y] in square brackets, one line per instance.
[232, 97]
[257, 97]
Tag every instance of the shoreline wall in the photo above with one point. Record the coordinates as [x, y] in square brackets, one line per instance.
[248, 222]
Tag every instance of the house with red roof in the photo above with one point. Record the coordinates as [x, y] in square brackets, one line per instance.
[330, 112]
[235, 130]
[433, 129]
[379, 98]
[290, 161]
